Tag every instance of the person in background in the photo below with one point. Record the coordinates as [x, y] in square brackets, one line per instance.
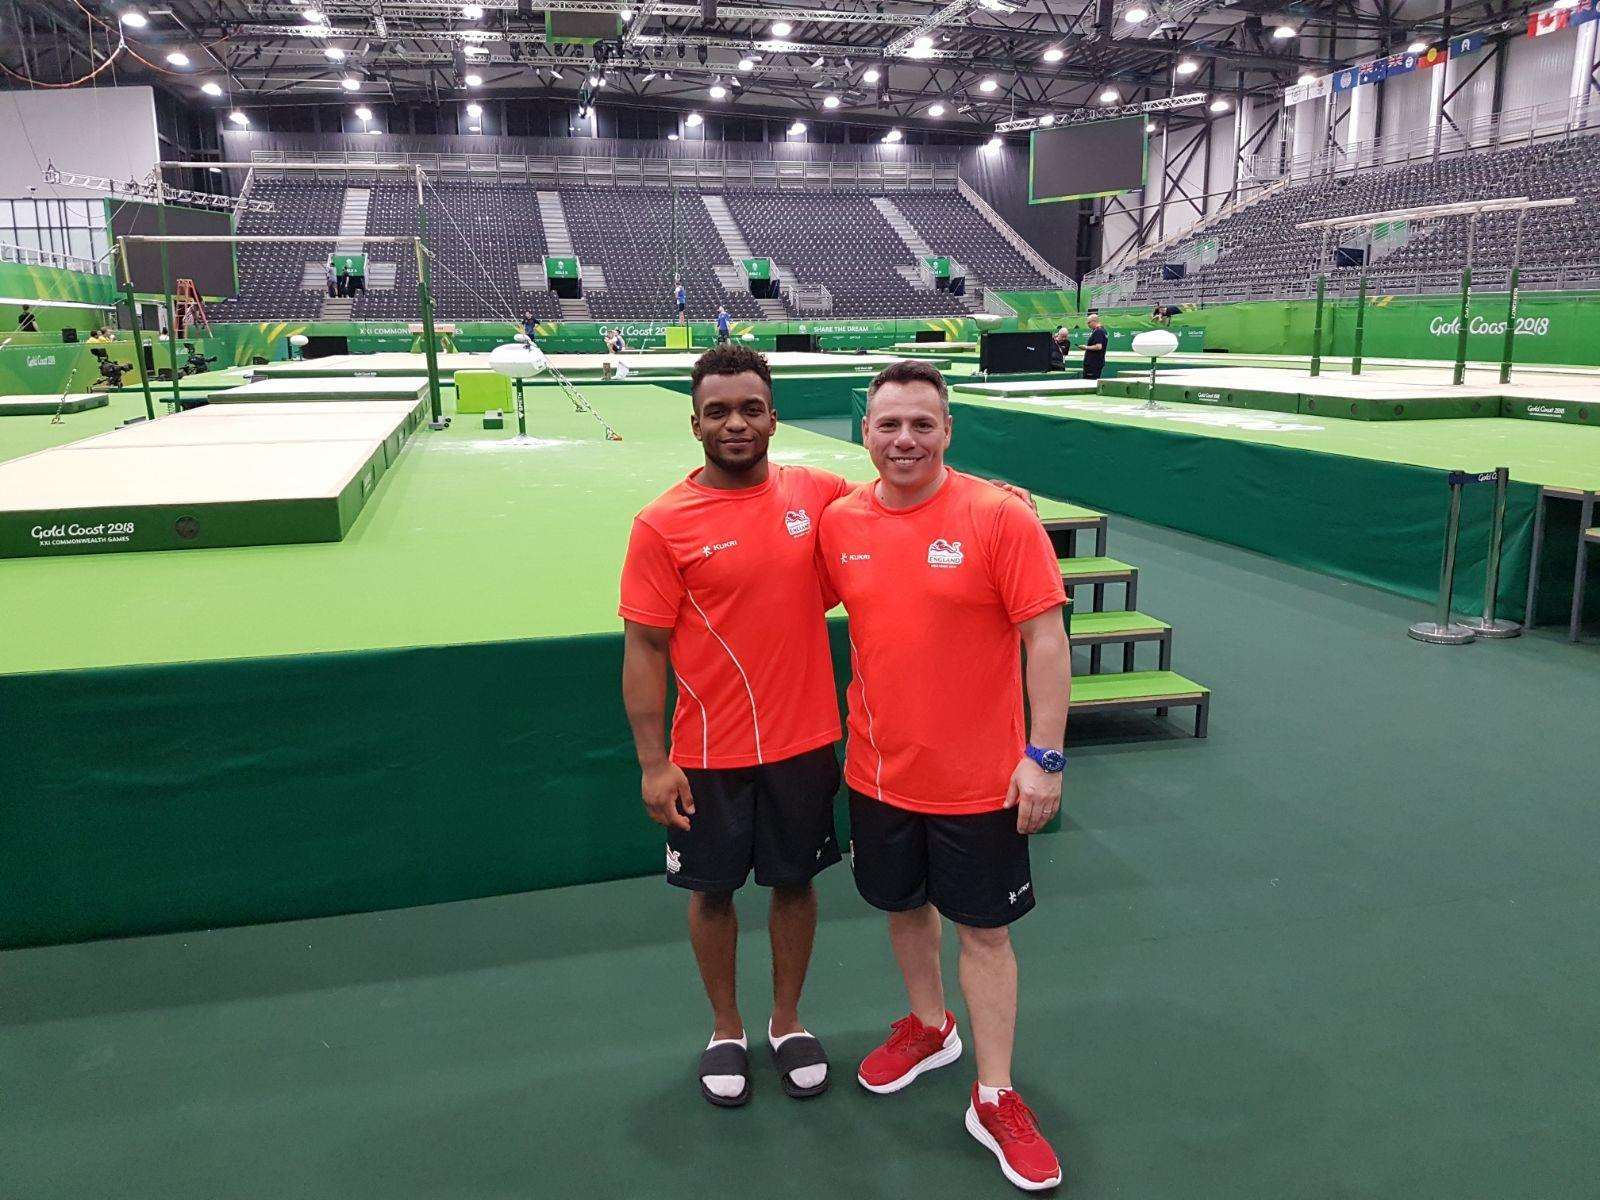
[528, 324]
[333, 279]
[344, 279]
[724, 324]
[358, 280]
[26, 321]
[614, 341]
[1060, 343]
[100, 337]
[1094, 350]
[681, 299]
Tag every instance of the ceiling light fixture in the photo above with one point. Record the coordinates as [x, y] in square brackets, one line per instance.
[1417, 47]
[936, 110]
[473, 80]
[1187, 66]
[474, 109]
[1110, 96]
[797, 129]
[363, 113]
[211, 88]
[870, 75]
[693, 120]
[995, 142]
[717, 92]
[672, 137]
[988, 85]
[178, 58]
[334, 54]
[1219, 105]
[747, 64]
[472, 12]
[1137, 15]
[1048, 119]
[781, 29]
[894, 135]
[313, 16]
[1284, 32]
[1054, 54]
[238, 118]
[134, 19]
[830, 102]
[350, 83]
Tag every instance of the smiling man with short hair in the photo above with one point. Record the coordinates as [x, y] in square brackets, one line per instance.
[946, 580]
[720, 589]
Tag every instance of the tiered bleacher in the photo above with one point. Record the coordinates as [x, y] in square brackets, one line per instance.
[838, 239]
[629, 233]
[272, 274]
[950, 225]
[481, 232]
[1262, 253]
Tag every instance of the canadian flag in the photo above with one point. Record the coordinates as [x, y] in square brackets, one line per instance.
[1548, 21]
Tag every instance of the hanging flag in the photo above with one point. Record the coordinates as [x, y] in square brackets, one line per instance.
[1345, 80]
[1372, 72]
[1432, 57]
[1467, 43]
[1548, 21]
[1315, 89]
[1586, 11]
[1401, 64]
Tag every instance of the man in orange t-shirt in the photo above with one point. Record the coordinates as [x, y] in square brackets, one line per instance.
[720, 588]
[946, 581]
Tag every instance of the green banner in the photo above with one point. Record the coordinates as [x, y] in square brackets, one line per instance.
[561, 267]
[938, 265]
[758, 268]
[354, 264]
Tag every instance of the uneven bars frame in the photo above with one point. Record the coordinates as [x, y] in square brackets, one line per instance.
[421, 249]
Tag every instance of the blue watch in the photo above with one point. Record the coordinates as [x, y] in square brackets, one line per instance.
[1052, 762]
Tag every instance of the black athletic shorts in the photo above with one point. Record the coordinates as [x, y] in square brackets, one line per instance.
[972, 868]
[776, 817]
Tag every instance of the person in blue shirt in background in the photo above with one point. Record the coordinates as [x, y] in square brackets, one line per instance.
[724, 323]
[681, 299]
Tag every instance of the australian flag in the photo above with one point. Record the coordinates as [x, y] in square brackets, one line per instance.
[1373, 72]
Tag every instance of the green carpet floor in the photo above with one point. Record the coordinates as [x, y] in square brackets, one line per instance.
[1342, 949]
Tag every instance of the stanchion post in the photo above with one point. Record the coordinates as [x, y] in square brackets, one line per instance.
[1487, 625]
[522, 412]
[1361, 320]
[1440, 631]
[138, 341]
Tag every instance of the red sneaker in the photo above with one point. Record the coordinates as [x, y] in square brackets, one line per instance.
[911, 1049]
[1011, 1132]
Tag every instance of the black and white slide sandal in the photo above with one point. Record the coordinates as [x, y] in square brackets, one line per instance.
[794, 1053]
[725, 1058]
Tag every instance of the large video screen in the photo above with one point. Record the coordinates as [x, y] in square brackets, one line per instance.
[209, 264]
[1077, 162]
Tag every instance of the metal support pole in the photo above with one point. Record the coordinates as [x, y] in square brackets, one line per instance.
[138, 341]
[1361, 319]
[1511, 300]
[1466, 299]
[1440, 631]
[522, 412]
[1487, 626]
[166, 285]
[1322, 287]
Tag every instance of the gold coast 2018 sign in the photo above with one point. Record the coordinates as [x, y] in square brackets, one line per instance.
[1526, 326]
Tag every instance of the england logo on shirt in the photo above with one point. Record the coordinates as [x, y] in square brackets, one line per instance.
[798, 522]
[943, 553]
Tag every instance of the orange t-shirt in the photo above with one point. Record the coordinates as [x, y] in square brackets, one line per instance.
[935, 594]
[733, 575]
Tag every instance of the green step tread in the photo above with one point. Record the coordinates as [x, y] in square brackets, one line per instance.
[1094, 624]
[1060, 510]
[1133, 685]
[1093, 566]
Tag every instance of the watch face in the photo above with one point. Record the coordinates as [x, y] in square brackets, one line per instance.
[1050, 760]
